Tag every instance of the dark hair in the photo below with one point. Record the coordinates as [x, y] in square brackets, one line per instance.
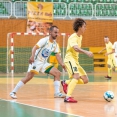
[105, 36]
[52, 27]
[78, 23]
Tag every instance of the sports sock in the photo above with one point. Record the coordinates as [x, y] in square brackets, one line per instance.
[68, 81]
[57, 86]
[71, 87]
[19, 85]
[109, 72]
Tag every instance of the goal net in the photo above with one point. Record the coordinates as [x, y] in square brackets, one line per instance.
[19, 47]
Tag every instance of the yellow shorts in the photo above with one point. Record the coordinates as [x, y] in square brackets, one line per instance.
[73, 67]
[52, 59]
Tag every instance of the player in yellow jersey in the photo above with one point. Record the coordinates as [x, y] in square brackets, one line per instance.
[111, 60]
[75, 71]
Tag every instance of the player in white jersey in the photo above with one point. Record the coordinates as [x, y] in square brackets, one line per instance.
[115, 50]
[38, 62]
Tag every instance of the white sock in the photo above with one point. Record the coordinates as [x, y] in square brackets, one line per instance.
[19, 85]
[57, 86]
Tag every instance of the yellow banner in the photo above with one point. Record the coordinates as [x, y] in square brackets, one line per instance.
[40, 11]
[40, 17]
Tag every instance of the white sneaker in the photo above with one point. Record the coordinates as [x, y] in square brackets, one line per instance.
[13, 95]
[59, 95]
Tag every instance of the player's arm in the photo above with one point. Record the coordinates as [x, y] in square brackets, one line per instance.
[58, 55]
[60, 61]
[113, 51]
[77, 49]
[39, 44]
[102, 50]
[33, 54]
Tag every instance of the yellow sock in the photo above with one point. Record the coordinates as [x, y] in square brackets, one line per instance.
[71, 87]
[80, 81]
[68, 81]
[109, 72]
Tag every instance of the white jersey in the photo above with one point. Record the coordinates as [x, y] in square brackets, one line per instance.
[115, 47]
[45, 49]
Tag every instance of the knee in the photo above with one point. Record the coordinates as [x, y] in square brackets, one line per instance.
[86, 81]
[57, 73]
[109, 66]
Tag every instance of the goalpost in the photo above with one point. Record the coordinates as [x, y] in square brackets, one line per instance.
[19, 46]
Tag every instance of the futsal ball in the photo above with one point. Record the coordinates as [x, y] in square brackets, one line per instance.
[109, 96]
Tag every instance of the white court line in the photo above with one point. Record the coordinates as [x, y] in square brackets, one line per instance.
[40, 107]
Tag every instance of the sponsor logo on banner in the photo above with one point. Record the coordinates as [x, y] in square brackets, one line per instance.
[40, 16]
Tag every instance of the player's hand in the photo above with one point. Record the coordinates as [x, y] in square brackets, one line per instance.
[90, 54]
[31, 60]
[63, 66]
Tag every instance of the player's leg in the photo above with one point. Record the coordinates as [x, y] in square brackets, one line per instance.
[72, 69]
[49, 69]
[21, 83]
[32, 70]
[109, 63]
[82, 80]
[83, 76]
[65, 83]
[71, 87]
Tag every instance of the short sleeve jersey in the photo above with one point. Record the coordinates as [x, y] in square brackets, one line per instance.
[45, 49]
[115, 47]
[71, 54]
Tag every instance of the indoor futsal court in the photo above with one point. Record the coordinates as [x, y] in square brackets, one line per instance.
[23, 23]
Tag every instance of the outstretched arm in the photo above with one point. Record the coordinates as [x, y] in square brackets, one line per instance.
[102, 50]
[77, 49]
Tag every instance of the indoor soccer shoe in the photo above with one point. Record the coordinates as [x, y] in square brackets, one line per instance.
[59, 95]
[108, 77]
[64, 86]
[70, 100]
[13, 95]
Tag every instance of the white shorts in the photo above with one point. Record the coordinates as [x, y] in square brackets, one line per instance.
[38, 66]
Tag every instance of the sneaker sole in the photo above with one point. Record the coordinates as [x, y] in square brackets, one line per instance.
[70, 102]
[59, 97]
[107, 78]
[13, 97]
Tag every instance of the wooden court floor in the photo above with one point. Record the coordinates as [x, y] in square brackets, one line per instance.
[36, 98]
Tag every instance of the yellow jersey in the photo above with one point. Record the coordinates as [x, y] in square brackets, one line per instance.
[71, 54]
[109, 49]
